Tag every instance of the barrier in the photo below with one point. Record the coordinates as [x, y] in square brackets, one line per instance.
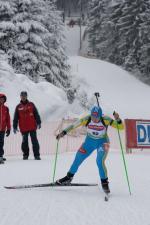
[137, 134]
[47, 139]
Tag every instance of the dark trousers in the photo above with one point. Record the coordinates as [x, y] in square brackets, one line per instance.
[2, 135]
[25, 143]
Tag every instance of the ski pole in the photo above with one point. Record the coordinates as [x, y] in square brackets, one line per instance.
[55, 162]
[124, 161]
[97, 95]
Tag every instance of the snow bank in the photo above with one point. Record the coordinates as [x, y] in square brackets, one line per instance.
[47, 97]
[118, 89]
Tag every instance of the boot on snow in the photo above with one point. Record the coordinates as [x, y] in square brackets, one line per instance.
[65, 180]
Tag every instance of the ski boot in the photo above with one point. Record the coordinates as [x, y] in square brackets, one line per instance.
[105, 185]
[65, 180]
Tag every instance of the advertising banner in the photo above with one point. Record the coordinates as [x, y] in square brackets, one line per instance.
[137, 133]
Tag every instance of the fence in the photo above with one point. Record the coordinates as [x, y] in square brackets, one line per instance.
[47, 140]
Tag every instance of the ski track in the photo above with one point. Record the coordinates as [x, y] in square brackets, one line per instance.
[73, 205]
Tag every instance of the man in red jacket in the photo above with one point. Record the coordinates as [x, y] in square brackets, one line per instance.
[26, 114]
[4, 124]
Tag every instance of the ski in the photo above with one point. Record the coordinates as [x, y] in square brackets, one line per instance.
[50, 185]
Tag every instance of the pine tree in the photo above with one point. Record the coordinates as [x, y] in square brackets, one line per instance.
[32, 35]
[124, 36]
[29, 54]
[7, 28]
[144, 52]
[109, 37]
[93, 23]
[134, 14]
[58, 59]
[97, 17]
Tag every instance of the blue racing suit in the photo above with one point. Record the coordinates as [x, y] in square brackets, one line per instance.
[96, 139]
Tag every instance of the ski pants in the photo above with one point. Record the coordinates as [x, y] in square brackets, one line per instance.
[25, 143]
[86, 149]
[2, 135]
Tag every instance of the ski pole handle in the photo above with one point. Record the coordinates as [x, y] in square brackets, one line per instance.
[116, 116]
[97, 95]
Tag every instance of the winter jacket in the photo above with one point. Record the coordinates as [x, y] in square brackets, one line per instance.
[26, 114]
[4, 116]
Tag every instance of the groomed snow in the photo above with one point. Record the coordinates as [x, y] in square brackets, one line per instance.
[75, 205]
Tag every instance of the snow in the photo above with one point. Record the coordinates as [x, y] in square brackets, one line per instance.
[75, 205]
[12, 84]
[73, 33]
[78, 205]
[118, 89]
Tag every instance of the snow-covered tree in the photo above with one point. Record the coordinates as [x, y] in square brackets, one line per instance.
[72, 7]
[97, 15]
[129, 26]
[31, 33]
[29, 52]
[7, 28]
[122, 37]
[109, 38]
[58, 73]
[144, 52]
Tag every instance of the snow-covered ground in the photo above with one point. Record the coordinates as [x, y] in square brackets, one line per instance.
[73, 35]
[75, 205]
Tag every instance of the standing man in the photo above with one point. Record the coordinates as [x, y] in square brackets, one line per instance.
[26, 114]
[4, 125]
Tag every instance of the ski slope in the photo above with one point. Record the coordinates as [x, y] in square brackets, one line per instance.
[75, 205]
[118, 89]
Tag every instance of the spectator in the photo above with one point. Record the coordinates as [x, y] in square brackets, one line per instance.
[4, 125]
[26, 114]
[71, 23]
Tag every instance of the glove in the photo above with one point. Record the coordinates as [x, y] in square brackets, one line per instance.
[39, 126]
[62, 134]
[15, 130]
[7, 133]
[116, 116]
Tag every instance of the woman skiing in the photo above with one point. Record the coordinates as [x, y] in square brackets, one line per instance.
[96, 138]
